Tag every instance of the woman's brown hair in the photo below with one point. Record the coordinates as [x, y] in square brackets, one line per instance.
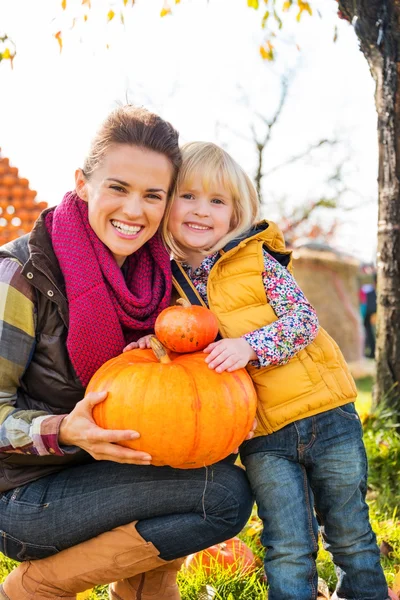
[135, 126]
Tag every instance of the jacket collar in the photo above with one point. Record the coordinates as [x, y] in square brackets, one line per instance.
[41, 253]
[253, 231]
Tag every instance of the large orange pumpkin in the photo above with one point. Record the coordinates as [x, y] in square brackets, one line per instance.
[186, 327]
[188, 415]
[233, 555]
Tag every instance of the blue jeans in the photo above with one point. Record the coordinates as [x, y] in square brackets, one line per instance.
[179, 511]
[315, 468]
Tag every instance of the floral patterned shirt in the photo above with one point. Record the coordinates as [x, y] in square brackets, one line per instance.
[297, 323]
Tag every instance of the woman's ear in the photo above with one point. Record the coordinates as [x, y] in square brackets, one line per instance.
[81, 185]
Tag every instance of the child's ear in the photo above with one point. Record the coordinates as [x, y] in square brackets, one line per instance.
[81, 185]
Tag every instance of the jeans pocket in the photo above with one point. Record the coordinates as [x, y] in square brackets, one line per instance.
[348, 411]
[26, 496]
[19, 550]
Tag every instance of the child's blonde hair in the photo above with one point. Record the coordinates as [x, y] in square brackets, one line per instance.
[215, 166]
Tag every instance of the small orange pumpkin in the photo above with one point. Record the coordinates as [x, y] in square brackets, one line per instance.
[233, 555]
[186, 327]
[188, 416]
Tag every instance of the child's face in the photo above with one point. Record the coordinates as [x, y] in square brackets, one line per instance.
[200, 218]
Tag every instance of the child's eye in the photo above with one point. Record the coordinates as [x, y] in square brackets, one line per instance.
[187, 196]
[217, 201]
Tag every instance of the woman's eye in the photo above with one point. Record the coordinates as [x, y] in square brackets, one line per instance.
[153, 197]
[117, 188]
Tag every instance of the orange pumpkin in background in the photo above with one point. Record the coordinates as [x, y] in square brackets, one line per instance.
[186, 327]
[233, 555]
[188, 416]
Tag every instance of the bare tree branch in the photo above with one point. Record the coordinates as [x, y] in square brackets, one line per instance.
[300, 156]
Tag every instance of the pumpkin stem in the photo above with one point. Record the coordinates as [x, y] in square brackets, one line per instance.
[183, 302]
[159, 350]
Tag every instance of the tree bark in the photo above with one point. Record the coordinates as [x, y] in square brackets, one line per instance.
[377, 24]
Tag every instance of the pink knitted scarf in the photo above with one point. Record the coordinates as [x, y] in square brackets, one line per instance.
[106, 310]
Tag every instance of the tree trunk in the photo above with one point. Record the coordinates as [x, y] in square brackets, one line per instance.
[377, 24]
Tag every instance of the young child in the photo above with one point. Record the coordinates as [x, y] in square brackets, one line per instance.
[306, 463]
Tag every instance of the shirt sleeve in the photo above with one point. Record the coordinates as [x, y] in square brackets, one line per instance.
[21, 431]
[297, 323]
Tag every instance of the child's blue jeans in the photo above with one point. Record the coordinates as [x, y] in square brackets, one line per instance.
[316, 466]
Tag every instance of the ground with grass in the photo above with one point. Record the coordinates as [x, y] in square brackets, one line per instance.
[382, 440]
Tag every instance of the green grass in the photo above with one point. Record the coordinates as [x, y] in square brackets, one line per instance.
[382, 442]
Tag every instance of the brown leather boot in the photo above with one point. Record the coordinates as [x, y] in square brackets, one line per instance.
[116, 554]
[158, 584]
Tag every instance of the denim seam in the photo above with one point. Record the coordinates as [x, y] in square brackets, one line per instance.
[312, 440]
[203, 512]
[349, 416]
[311, 532]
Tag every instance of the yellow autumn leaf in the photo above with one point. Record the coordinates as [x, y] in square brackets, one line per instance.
[252, 4]
[84, 595]
[177, 1]
[396, 584]
[384, 449]
[304, 7]
[363, 405]
[252, 531]
[85, 18]
[265, 19]
[122, 18]
[267, 51]
[6, 54]
[165, 11]
[286, 5]
[59, 39]
[86, 2]
[125, 2]
[64, 4]
[110, 15]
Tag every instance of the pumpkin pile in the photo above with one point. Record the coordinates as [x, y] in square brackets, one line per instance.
[188, 415]
[18, 207]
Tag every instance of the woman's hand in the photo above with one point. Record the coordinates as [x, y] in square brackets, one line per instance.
[79, 429]
[229, 354]
[143, 342]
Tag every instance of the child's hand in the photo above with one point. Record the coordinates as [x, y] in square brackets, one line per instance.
[143, 342]
[229, 355]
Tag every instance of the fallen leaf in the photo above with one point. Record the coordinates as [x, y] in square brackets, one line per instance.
[396, 584]
[323, 590]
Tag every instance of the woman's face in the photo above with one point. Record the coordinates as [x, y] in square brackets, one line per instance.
[126, 197]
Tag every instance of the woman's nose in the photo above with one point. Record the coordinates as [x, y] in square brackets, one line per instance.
[133, 206]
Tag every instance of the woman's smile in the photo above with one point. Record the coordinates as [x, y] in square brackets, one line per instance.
[126, 230]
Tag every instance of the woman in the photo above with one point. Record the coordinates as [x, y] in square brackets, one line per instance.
[91, 277]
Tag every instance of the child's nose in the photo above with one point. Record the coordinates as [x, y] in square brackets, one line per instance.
[202, 208]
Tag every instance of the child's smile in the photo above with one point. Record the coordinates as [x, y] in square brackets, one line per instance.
[200, 216]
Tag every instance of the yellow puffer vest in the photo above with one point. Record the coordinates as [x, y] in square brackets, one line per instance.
[317, 379]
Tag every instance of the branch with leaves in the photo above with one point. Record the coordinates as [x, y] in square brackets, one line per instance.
[274, 13]
[7, 49]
